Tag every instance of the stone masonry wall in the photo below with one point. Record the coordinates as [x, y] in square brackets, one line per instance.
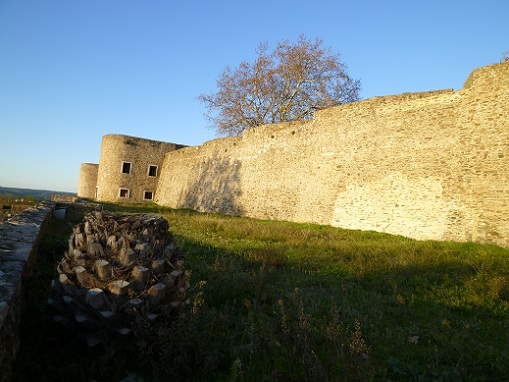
[432, 165]
[19, 238]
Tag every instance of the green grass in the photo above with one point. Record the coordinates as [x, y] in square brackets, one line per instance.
[279, 301]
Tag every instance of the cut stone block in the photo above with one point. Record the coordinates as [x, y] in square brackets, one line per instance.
[119, 287]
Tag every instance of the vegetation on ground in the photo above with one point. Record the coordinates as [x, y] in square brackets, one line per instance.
[11, 205]
[279, 301]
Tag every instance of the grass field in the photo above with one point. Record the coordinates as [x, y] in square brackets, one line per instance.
[279, 301]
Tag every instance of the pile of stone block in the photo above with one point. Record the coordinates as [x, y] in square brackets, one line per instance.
[119, 274]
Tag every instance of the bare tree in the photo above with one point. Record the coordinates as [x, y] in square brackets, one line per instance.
[505, 57]
[286, 84]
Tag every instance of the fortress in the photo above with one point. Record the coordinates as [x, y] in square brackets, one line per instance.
[431, 165]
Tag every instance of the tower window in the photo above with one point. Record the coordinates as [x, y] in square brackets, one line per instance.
[126, 167]
[124, 193]
[148, 195]
[152, 171]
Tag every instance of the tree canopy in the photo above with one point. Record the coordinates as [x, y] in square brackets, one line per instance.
[288, 83]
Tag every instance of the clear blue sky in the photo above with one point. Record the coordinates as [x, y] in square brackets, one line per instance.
[72, 71]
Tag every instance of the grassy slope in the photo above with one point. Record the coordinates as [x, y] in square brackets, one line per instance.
[277, 301]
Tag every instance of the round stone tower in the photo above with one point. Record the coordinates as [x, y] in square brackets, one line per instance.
[88, 180]
[129, 168]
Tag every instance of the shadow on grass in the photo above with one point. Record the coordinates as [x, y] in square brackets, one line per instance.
[405, 323]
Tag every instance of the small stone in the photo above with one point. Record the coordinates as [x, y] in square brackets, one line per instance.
[119, 287]
[124, 331]
[95, 298]
[106, 314]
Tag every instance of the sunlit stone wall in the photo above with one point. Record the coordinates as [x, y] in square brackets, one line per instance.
[431, 165]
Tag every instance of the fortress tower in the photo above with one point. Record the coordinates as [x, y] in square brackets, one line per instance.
[87, 184]
[128, 169]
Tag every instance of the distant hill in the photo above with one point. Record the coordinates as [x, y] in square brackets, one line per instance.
[38, 194]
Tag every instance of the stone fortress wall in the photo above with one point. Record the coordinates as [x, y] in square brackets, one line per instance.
[431, 165]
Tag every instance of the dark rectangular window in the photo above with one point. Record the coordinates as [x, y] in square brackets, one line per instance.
[148, 195]
[126, 167]
[152, 171]
[124, 193]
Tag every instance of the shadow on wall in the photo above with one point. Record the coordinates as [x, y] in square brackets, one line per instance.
[216, 188]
